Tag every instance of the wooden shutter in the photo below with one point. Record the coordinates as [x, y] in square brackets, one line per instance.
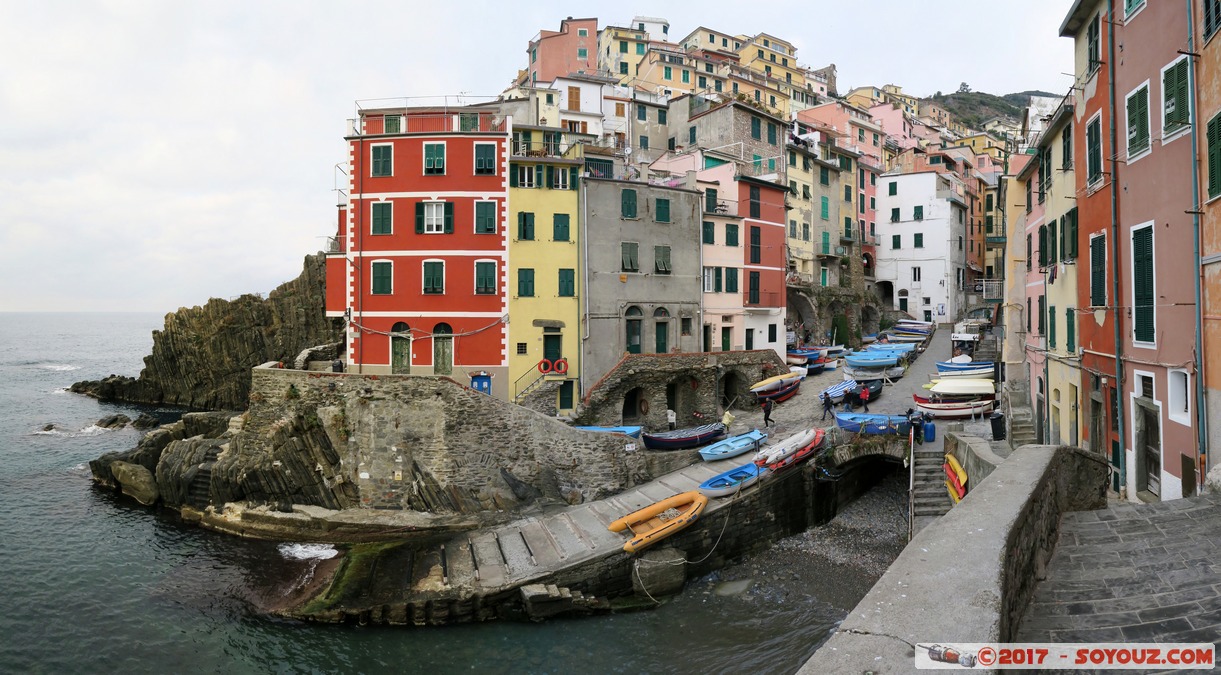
[1098, 272]
[574, 99]
[1070, 330]
[1214, 153]
[572, 178]
[628, 206]
[449, 217]
[1072, 233]
[1050, 258]
[1142, 280]
[1042, 246]
[419, 218]
[717, 275]
[1051, 328]
[550, 176]
[538, 175]
[513, 175]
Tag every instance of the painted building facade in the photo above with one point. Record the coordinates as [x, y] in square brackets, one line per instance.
[571, 49]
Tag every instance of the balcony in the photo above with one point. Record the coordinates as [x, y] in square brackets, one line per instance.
[829, 250]
[993, 289]
[721, 207]
[336, 245]
[994, 240]
[799, 279]
[406, 122]
[764, 300]
[847, 239]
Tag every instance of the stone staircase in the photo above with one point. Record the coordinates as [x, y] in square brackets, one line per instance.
[1021, 431]
[929, 495]
[987, 349]
[199, 493]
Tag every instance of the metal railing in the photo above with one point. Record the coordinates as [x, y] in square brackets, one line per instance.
[994, 289]
[336, 245]
[761, 299]
[406, 122]
[721, 207]
[552, 148]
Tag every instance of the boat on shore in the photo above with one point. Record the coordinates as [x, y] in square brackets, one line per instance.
[734, 446]
[981, 373]
[782, 394]
[679, 439]
[789, 446]
[633, 432]
[900, 337]
[660, 519]
[837, 391]
[733, 481]
[894, 373]
[803, 453]
[962, 386]
[881, 360]
[956, 408]
[800, 371]
[897, 347]
[866, 423]
[874, 387]
[774, 382]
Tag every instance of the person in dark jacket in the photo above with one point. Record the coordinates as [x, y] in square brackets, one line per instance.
[767, 413]
[828, 406]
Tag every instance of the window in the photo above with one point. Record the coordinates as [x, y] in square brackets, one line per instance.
[1131, 6]
[896, 241]
[1214, 152]
[753, 290]
[1093, 160]
[873, 203]
[1029, 253]
[667, 73]
[1175, 97]
[731, 234]
[662, 212]
[756, 128]
[771, 133]
[824, 210]
[686, 77]
[824, 176]
[630, 256]
[623, 46]
[485, 278]
[1093, 48]
[623, 67]
[755, 205]
[628, 204]
[926, 300]
[756, 245]
[1142, 284]
[918, 214]
[1042, 314]
[873, 179]
[644, 143]
[1179, 405]
[1051, 327]
[437, 217]
[1212, 17]
[1042, 246]
[685, 324]
[661, 116]
[894, 215]
[793, 229]
[640, 48]
[1138, 121]
[559, 226]
[960, 243]
[382, 216]
[1069, 238]
[894, 187]
[709, 277]
[805, 231]
[524, 176]
[916, 274]
[709, 233]
[559, 177]
[383, 160]
[525, 226]
[434, 159]
[919, 240]
[642, 113]
[771, 332]
[434, 277]
[383, 278]
[661, 259]
[525, 282]
[620, 109]
[731, 280]
[1051, 243]
[1070, 330]
[691, 136]
[393, 124]
[848, 193]
[485, 159]
[860, 203]
[522, 348]
[1066, 148]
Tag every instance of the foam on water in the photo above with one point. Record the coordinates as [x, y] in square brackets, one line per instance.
[307, 551]
[60, 366]
[91, 430]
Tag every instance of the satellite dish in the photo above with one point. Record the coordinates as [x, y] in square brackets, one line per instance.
[628, 151]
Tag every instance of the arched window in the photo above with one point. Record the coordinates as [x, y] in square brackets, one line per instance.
[633, 315]
[661, 330]
[661, 313]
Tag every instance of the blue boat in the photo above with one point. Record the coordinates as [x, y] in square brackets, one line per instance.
[837, 391]
[864, 423]
[898, 347]
[732, 447]
[881, 360]
[684, 438]
[733, 481]
[634, 432]
[950, 366]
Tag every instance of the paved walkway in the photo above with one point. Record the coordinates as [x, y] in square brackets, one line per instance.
[1133, 573]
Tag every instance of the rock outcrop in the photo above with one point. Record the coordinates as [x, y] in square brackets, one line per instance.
[202, 358]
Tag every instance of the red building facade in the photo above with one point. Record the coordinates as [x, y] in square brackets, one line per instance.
[419, 262]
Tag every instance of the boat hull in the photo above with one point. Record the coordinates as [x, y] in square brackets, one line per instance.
[732, 447]
[872, 424]
[953, 410]
[633, 432]
[788, 447]
[733, 481]
[772, 383]
[683, 438]
[648, 525]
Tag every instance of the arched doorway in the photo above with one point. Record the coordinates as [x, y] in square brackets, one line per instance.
[634, 322]
[886, 293]
[871, 319]
[661, 321]
[634, 406]
[867, 262]
[442, 350]
[729, 387]
[902, 299]
[400, 349]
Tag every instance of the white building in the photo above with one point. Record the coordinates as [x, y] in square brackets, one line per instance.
[921, 254]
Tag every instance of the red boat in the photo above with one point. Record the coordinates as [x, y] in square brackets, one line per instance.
[801, 455]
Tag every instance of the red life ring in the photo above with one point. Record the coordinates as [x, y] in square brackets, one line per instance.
[561, 366]
[544, 366]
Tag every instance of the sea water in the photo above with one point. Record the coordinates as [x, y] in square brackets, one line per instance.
[93, 582]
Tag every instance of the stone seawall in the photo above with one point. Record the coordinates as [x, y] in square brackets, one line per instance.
[974, 454]
[969, 576]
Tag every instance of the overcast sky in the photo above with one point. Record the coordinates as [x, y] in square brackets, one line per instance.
[156, 154]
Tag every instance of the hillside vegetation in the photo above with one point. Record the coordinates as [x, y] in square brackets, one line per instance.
[973, 108]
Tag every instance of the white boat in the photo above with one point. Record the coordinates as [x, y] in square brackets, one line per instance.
[774, 383]
[864, 374]
[985, 373]
[962, 387]
[892, 337]
[798, 370]
[959, 409]
[778, 451]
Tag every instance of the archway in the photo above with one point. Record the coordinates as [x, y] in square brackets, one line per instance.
[886, 292]
[836, 324]
[729, 387]
[868, 264]
[400, 349]
[902, 299]
[442, 349]
[634, 405]
[661, 330]
[871, 319]
[801, 315]
[634, 322]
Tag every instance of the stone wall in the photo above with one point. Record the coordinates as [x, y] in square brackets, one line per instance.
[700, 380]
[968, 576]
[975, 456]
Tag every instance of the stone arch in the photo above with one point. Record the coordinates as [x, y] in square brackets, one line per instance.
[801, 312]
[837, 308]
[633, 410]
[886, 292]
[871, 319]
[868, 264]
[680, 395]
[732, 388]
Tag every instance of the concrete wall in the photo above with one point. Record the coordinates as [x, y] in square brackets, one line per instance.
[969, 576]
[975, 456]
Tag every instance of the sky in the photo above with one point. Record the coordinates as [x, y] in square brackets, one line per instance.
[156, 154]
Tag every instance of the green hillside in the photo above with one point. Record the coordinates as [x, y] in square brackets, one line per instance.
[973, 108]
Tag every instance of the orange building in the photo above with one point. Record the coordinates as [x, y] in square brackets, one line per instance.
[572, 49]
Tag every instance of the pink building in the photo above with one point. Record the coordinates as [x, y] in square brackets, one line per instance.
[1035, 310]
[573, 49]
[897, 125]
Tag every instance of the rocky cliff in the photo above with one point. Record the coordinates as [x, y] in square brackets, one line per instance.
[202, 357]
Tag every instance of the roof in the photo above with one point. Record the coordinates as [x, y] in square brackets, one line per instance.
[1076, 17]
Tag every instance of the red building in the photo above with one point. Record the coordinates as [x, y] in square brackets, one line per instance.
[572, 49]
[418, 264]
[765, 261]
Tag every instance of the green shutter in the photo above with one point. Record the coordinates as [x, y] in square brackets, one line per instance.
[550, 176]
[919, 213]
[1214, 153]
[567, 283]
[485, 278]
[771, 133]
[1070, 330]
[1064, 237]
[663, 211]
[1098, 271]
[731, 234]
[419, 218]
[1176, 91]
[538, 176]
[717, 275]
[710, 200]
[731, 280]
[628, 203]
[1051, 328]
[709, 233]
[756, 128]
[1072, 233]
[1051, 244]
[919, 240]
[896, 241]
[449, 217]
[825, 210]
[381, 218]
[1142, 280]
[824, 176]
[572, 178]
[560, 227]
[485, 217]
[1042, 246]
[525, 283]
[512, 175]
[382, 282]
[1042, 314]
[894, 187]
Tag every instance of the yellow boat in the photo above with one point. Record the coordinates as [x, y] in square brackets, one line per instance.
[660, 520]
[774, 383]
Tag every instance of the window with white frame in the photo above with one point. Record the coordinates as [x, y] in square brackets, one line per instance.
[525, 176]
[434, 217]
[1180, 397]
[915, 274]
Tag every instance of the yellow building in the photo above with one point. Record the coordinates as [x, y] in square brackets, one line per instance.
[776, 60]
[544, 274]
[985, 144]
[621, 51]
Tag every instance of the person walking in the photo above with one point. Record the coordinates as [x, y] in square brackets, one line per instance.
[864, 397]
[767, 412]
[828, 406]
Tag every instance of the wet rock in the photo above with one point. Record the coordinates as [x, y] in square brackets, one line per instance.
[114, 421]
[136, 482]
[146, 421]
[734, 587]
[48, 427]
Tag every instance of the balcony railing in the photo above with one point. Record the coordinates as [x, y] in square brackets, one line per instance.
[553, 148]
[993, 289]
[721, 207]
[799, 279]
[336, 245]
[995, 239]
[418, 123]
[762, 299]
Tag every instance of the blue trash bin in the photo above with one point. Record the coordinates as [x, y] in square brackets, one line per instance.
[930, 432]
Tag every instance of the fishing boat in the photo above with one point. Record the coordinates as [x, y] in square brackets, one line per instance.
[789, 446]
[900, 337]
[837, 391]
[956, 408]
[882, 360]
[775, 382]
[831, 364]
[782, 394]
[732, 447]
[865, 423]
[961, 386]
[869, 339]
[981, 373]
[816, 367]
[951, 366]
[874, 387]
[800, 371]
[733, 481]
[796, 359]
[634, 432]
[892, 373]
[900, 347]
[660, 520]
[801, 455]
[678, 439]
